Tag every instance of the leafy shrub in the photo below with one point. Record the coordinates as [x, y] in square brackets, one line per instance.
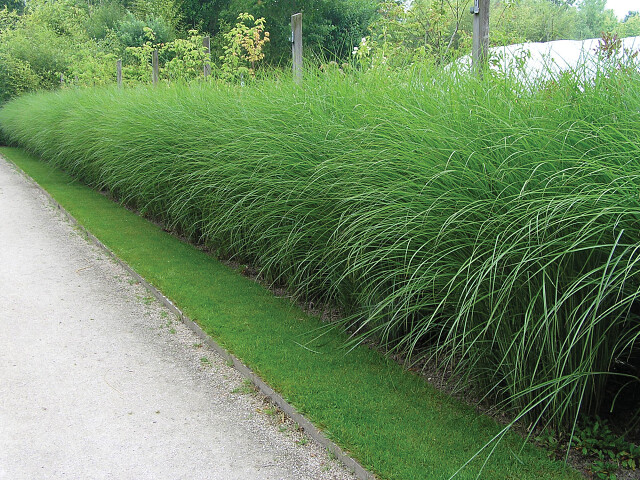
[62, 17]
[104, 18]
[243, 46]
[16, 77]
[186, 58]
[181, 59]
[594, 439]
[131, 31]
[45, 53]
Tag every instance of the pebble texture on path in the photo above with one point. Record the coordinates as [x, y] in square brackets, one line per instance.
[99, 381]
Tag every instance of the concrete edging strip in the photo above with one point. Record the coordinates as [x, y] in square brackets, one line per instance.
[308, 427]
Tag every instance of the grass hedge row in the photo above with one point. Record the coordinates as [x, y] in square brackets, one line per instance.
[492, 229]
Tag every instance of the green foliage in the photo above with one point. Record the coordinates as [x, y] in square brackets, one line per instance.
[181, 59]
[531, 21]
[439, 31]
[48, 41]
[187, 57]
[203, 14]
[488, 228]
[64, 18]
[594, 19]
[430, 29]
[331, 28]
[596, 439]
[12, 5]
[630, 26]
[167, 10]
[83, 38]
[138, 59]
[243, 47]
[608, 452]
[391, 420]
[104, 18]
[8, 20]
[133, 32]
[16, 78]
[89, 68]
[82, 41]
[39, 50]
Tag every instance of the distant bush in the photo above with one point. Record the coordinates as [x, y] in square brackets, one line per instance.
[131, 31]
[104, 18]
[17, 77]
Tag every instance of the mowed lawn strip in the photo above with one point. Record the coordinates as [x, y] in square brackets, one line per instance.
[393, 422]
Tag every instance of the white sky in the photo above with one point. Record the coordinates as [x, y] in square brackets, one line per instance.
[622, 7]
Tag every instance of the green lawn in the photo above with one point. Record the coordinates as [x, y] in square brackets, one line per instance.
[389, 419]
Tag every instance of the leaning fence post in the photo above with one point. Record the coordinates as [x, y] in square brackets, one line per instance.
[119, 73]
[296, 46]
[154, 64]
[206, 43]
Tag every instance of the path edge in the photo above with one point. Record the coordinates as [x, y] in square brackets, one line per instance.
[309, 428]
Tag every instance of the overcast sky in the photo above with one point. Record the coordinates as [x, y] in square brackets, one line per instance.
[622, 7]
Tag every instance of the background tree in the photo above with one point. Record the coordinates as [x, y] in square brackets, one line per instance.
[593, 19]
[243, 47]
[630, 25]
[330, 27]
[12, 5]
[80, 39]
[430, 30]
[204, 14]
[532, 21]
[170, 11]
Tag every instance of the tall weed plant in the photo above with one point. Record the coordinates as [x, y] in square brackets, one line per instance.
[490, 229]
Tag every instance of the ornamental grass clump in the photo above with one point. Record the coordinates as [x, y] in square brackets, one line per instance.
[491, 229]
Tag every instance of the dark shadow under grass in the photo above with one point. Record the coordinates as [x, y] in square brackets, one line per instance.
[389, 419]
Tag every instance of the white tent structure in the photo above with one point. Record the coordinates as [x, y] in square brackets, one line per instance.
[530, 61]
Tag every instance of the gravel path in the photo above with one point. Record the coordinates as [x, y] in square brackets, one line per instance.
[99, 381]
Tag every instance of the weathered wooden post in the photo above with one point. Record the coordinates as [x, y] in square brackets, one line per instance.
[119, 73]
[61, 79]
[206, 43]
[480, 48]
[296, 46]
[154, 65]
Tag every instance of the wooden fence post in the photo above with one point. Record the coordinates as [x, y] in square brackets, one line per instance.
[154, 64]
[480, 48]
[61, 79]
[296, 46]
[119, 73]
[206, 43]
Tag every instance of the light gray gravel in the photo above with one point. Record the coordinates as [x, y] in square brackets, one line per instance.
[100, 381]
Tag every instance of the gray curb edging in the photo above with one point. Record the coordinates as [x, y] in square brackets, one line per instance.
[308, 427]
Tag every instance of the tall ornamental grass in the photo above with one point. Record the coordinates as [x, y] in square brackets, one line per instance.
[494, 230]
